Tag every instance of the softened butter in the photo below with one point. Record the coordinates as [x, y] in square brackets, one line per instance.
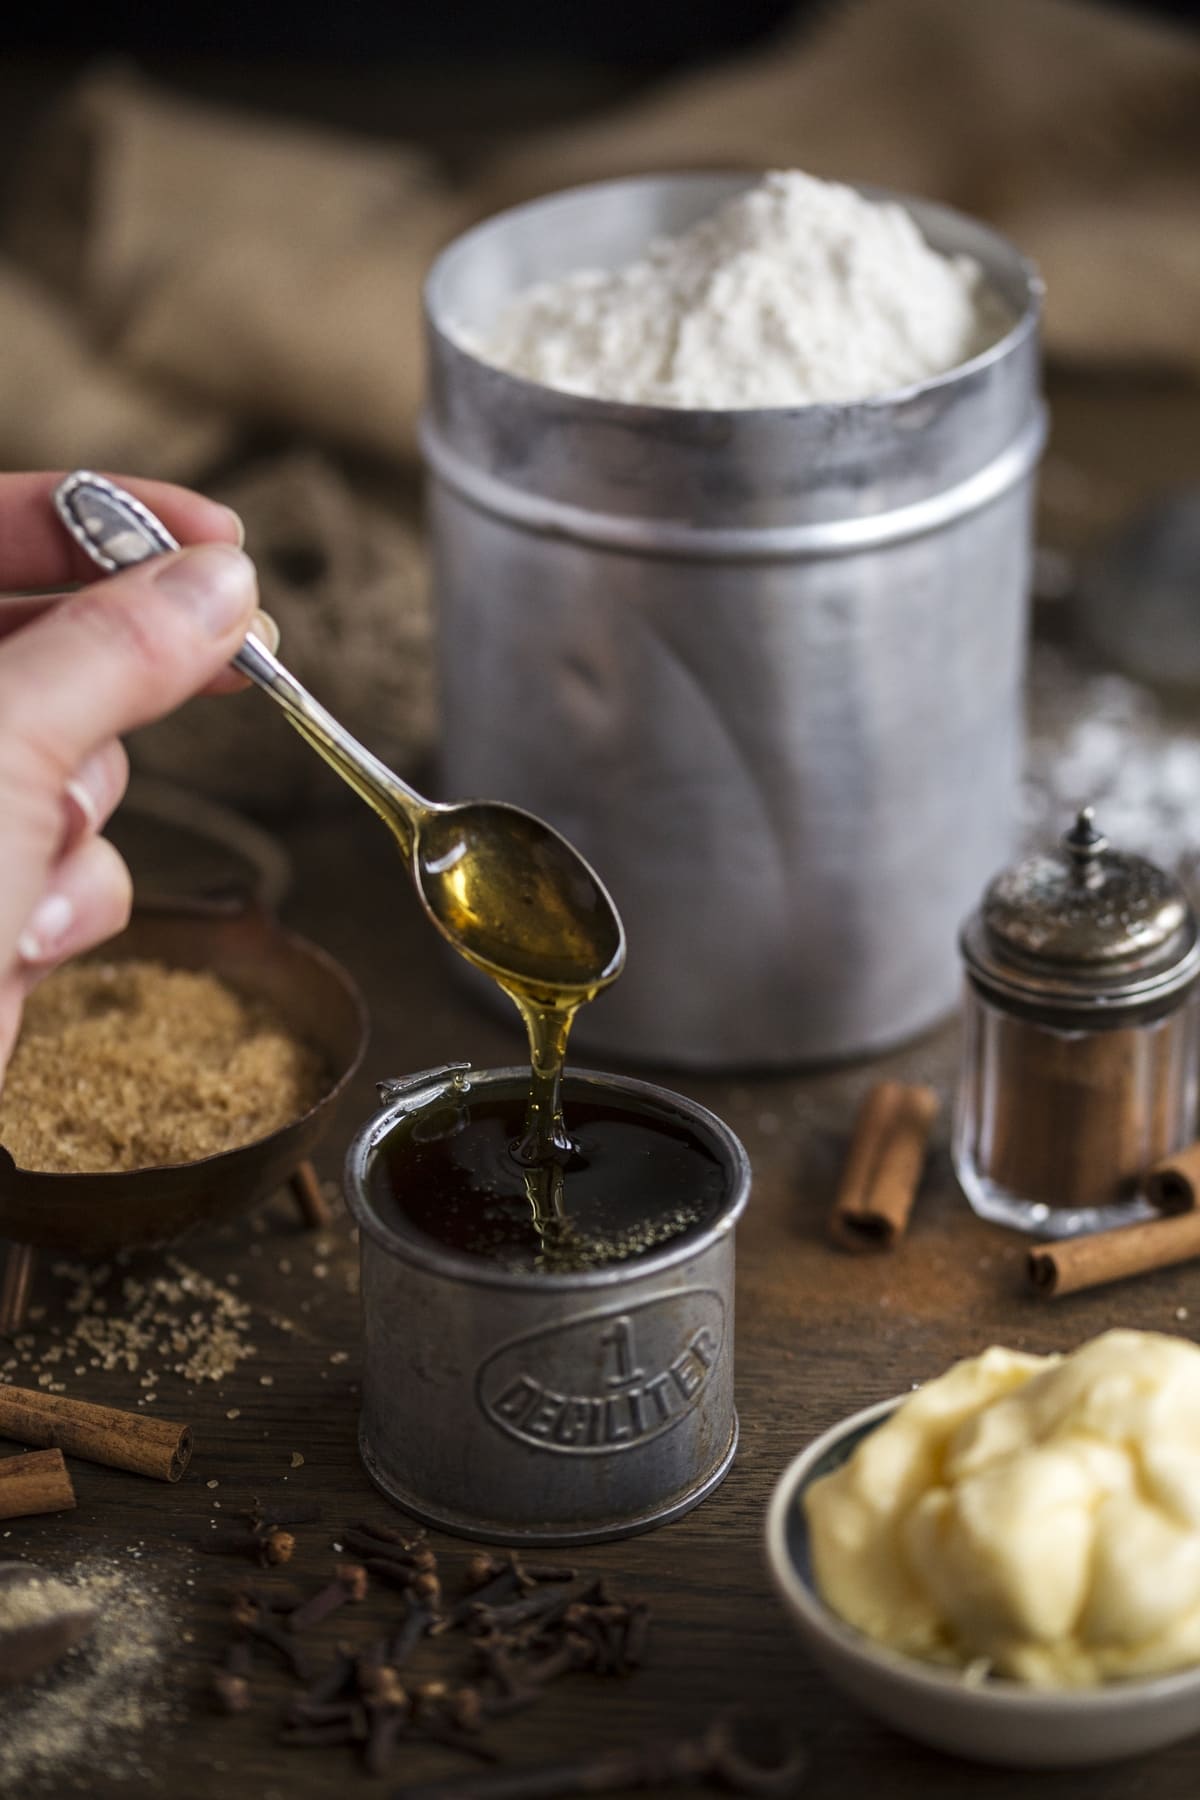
[1035, 1517]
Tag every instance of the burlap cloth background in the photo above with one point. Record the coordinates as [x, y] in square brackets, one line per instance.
[176, 279]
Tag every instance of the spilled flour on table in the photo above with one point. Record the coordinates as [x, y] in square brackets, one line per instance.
[96, 1706]
[1098, 738]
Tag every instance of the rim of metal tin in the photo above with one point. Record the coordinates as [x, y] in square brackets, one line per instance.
[774, 543]
[770, 543]
[477, 1269]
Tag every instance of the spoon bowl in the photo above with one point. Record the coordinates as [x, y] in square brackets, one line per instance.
[516, 899]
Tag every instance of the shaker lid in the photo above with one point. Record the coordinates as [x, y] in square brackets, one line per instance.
[1084, 925]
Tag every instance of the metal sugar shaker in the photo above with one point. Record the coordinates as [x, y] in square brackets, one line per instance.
[1081, 1037]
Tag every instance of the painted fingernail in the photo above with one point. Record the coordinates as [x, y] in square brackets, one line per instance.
[265, 629]
[215, 583]
[48, 926]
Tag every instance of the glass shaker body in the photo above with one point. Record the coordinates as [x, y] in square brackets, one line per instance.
[1082, 1037]
[1057, 1122]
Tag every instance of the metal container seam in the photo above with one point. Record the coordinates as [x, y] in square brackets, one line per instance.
[818, 538]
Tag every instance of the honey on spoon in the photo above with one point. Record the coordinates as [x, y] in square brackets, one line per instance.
[503, 887]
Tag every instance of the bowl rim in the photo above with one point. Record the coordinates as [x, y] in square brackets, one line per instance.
[938, 1683]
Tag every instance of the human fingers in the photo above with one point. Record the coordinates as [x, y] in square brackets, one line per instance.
[94, 791]
[109, 658]
[18, 610]
[230, 680]
[124, 651]
[36, 552]
[86, 899]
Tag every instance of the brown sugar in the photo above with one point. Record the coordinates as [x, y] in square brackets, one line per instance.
[130, 1065]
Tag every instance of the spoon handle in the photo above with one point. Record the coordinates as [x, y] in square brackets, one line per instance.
[117, 531]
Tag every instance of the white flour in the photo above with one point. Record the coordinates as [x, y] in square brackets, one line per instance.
[795, 291]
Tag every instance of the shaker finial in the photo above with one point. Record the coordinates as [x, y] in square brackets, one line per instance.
[1086, 845]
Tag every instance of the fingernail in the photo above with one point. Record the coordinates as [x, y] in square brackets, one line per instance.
[84, 804]
[214, 582]
[88, 789]
[240, 527]
[265, 629]
[46, 929]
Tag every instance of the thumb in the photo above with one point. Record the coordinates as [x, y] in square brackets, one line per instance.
[104, 661]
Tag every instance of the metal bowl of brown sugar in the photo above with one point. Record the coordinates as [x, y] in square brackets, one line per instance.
[99, 1213]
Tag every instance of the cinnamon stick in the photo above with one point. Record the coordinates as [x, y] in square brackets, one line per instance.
[310, 1200]
[37, 1483]
[883, 1168]
[103, 1434]
[1103, 1256]
[1173, 1184]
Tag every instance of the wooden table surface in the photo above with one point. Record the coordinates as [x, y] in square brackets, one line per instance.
[819, 1334]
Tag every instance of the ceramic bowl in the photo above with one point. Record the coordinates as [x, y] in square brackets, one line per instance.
[992, 1721]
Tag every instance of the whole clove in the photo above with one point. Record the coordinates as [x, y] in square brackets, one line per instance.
[491, 1580]
[496, 1661]
[389, 1710]
[363, 1544]
[465, 1707]
[575, 1652]
[393, 1575]
[419, 1557]
[427, 1591]
[230, 1692]
[417, 1623]
[581, 1622]
[482, 1569]
[349, 1584]
[248, 1617]
[267, 1546]
[519, 1612]
[388, 1534]
[380, 1683]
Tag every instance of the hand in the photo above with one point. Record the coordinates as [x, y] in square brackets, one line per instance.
[75, 673]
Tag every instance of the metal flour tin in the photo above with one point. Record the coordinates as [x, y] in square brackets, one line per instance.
[532, 1407]
[763, 667]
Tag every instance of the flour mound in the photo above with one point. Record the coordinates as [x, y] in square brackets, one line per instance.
[795, 291]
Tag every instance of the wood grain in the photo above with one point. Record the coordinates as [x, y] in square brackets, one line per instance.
[819, 1334]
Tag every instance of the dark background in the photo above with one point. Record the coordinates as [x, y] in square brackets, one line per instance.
[651, 35]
